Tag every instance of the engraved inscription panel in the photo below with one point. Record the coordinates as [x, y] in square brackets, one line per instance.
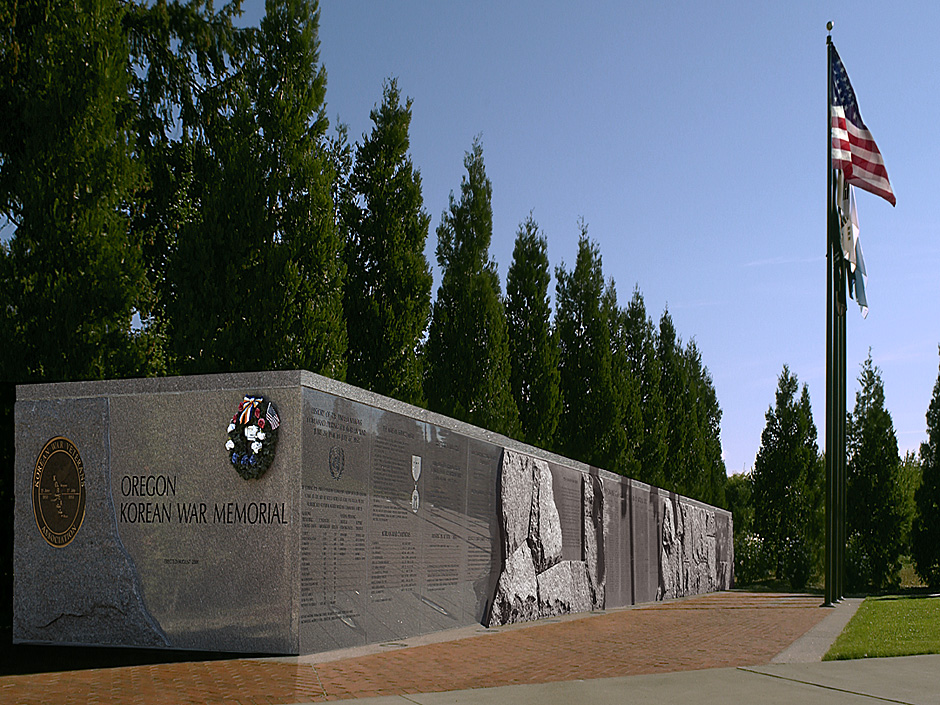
[566, 486]
[336, 507]
[614, 545]
[399, 534]
[642, 543]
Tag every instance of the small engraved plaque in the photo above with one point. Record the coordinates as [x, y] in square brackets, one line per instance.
[416, 467]
[59, 492]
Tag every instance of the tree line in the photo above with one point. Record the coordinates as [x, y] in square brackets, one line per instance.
[892, 503]
[179, 205]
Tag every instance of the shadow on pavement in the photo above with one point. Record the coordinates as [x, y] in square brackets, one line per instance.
[23, 659]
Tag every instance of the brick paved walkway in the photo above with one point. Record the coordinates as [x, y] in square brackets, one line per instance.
[710, 631]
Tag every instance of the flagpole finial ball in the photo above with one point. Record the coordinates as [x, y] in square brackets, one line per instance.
[829, 25]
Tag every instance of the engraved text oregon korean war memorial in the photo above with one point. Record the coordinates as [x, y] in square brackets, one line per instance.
[283, 512]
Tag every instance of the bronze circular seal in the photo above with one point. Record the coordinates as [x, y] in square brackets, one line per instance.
[59, 492]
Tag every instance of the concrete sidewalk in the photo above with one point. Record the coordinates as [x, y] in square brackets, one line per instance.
[812, 646]
[911, 679]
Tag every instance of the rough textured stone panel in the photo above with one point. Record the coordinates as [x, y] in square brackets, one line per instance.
[545, 526]
[517, 593]
[515, 499]
[565, 588]
[594, 537]
[689, 553]
[535, 582]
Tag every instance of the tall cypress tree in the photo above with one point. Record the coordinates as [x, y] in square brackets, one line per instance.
[306, 272]
[67, 178]
[674, 386]
[706, 476]
[388, 286]
[533, 345]
[873, 517]
[626, 385]
[641, 347]
[925, 537]
[590, 428]
[468, 366]
[257, 277]
[179, 54]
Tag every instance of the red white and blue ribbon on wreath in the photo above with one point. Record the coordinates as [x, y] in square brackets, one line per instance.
[246, 407]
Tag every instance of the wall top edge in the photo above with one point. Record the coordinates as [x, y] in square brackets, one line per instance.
[252, 381]
[157, 385]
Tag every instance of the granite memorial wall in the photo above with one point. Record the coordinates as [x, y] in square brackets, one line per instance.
[288, 513]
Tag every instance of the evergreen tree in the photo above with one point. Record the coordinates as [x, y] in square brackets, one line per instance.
[693, 464]
[640, 332]
[626, 384]
[256, 278]
[74, 274]
[673, 389]
[706, 474]
[533, 345]
[388, 286]
[873, 517]
[925, 537]
[307, 273]
[784, 471]
[179, 53]
[590, 428]
[468, 368]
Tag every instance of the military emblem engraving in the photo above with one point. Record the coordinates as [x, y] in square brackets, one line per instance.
[415, 473]
[337, 462]
[59, 492]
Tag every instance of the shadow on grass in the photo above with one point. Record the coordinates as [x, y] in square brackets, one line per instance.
[907, 594]
[771, 585]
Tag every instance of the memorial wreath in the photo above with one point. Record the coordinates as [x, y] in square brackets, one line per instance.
[252, 436]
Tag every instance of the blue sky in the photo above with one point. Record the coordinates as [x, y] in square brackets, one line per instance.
[691, 137]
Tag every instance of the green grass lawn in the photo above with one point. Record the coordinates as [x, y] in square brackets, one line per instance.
[890, 626]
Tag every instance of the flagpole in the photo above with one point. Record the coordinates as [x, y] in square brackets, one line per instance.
[860, 166]
[832, 494]
[830, 558]
[839, 458]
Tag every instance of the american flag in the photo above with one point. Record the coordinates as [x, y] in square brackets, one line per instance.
[853, 149]
[271, 415]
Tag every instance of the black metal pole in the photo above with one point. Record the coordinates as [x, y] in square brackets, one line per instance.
[840, 423]
[830, 306]
[843, 394]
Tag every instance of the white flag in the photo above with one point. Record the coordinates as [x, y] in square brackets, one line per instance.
[851, 245]
[848, 220]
